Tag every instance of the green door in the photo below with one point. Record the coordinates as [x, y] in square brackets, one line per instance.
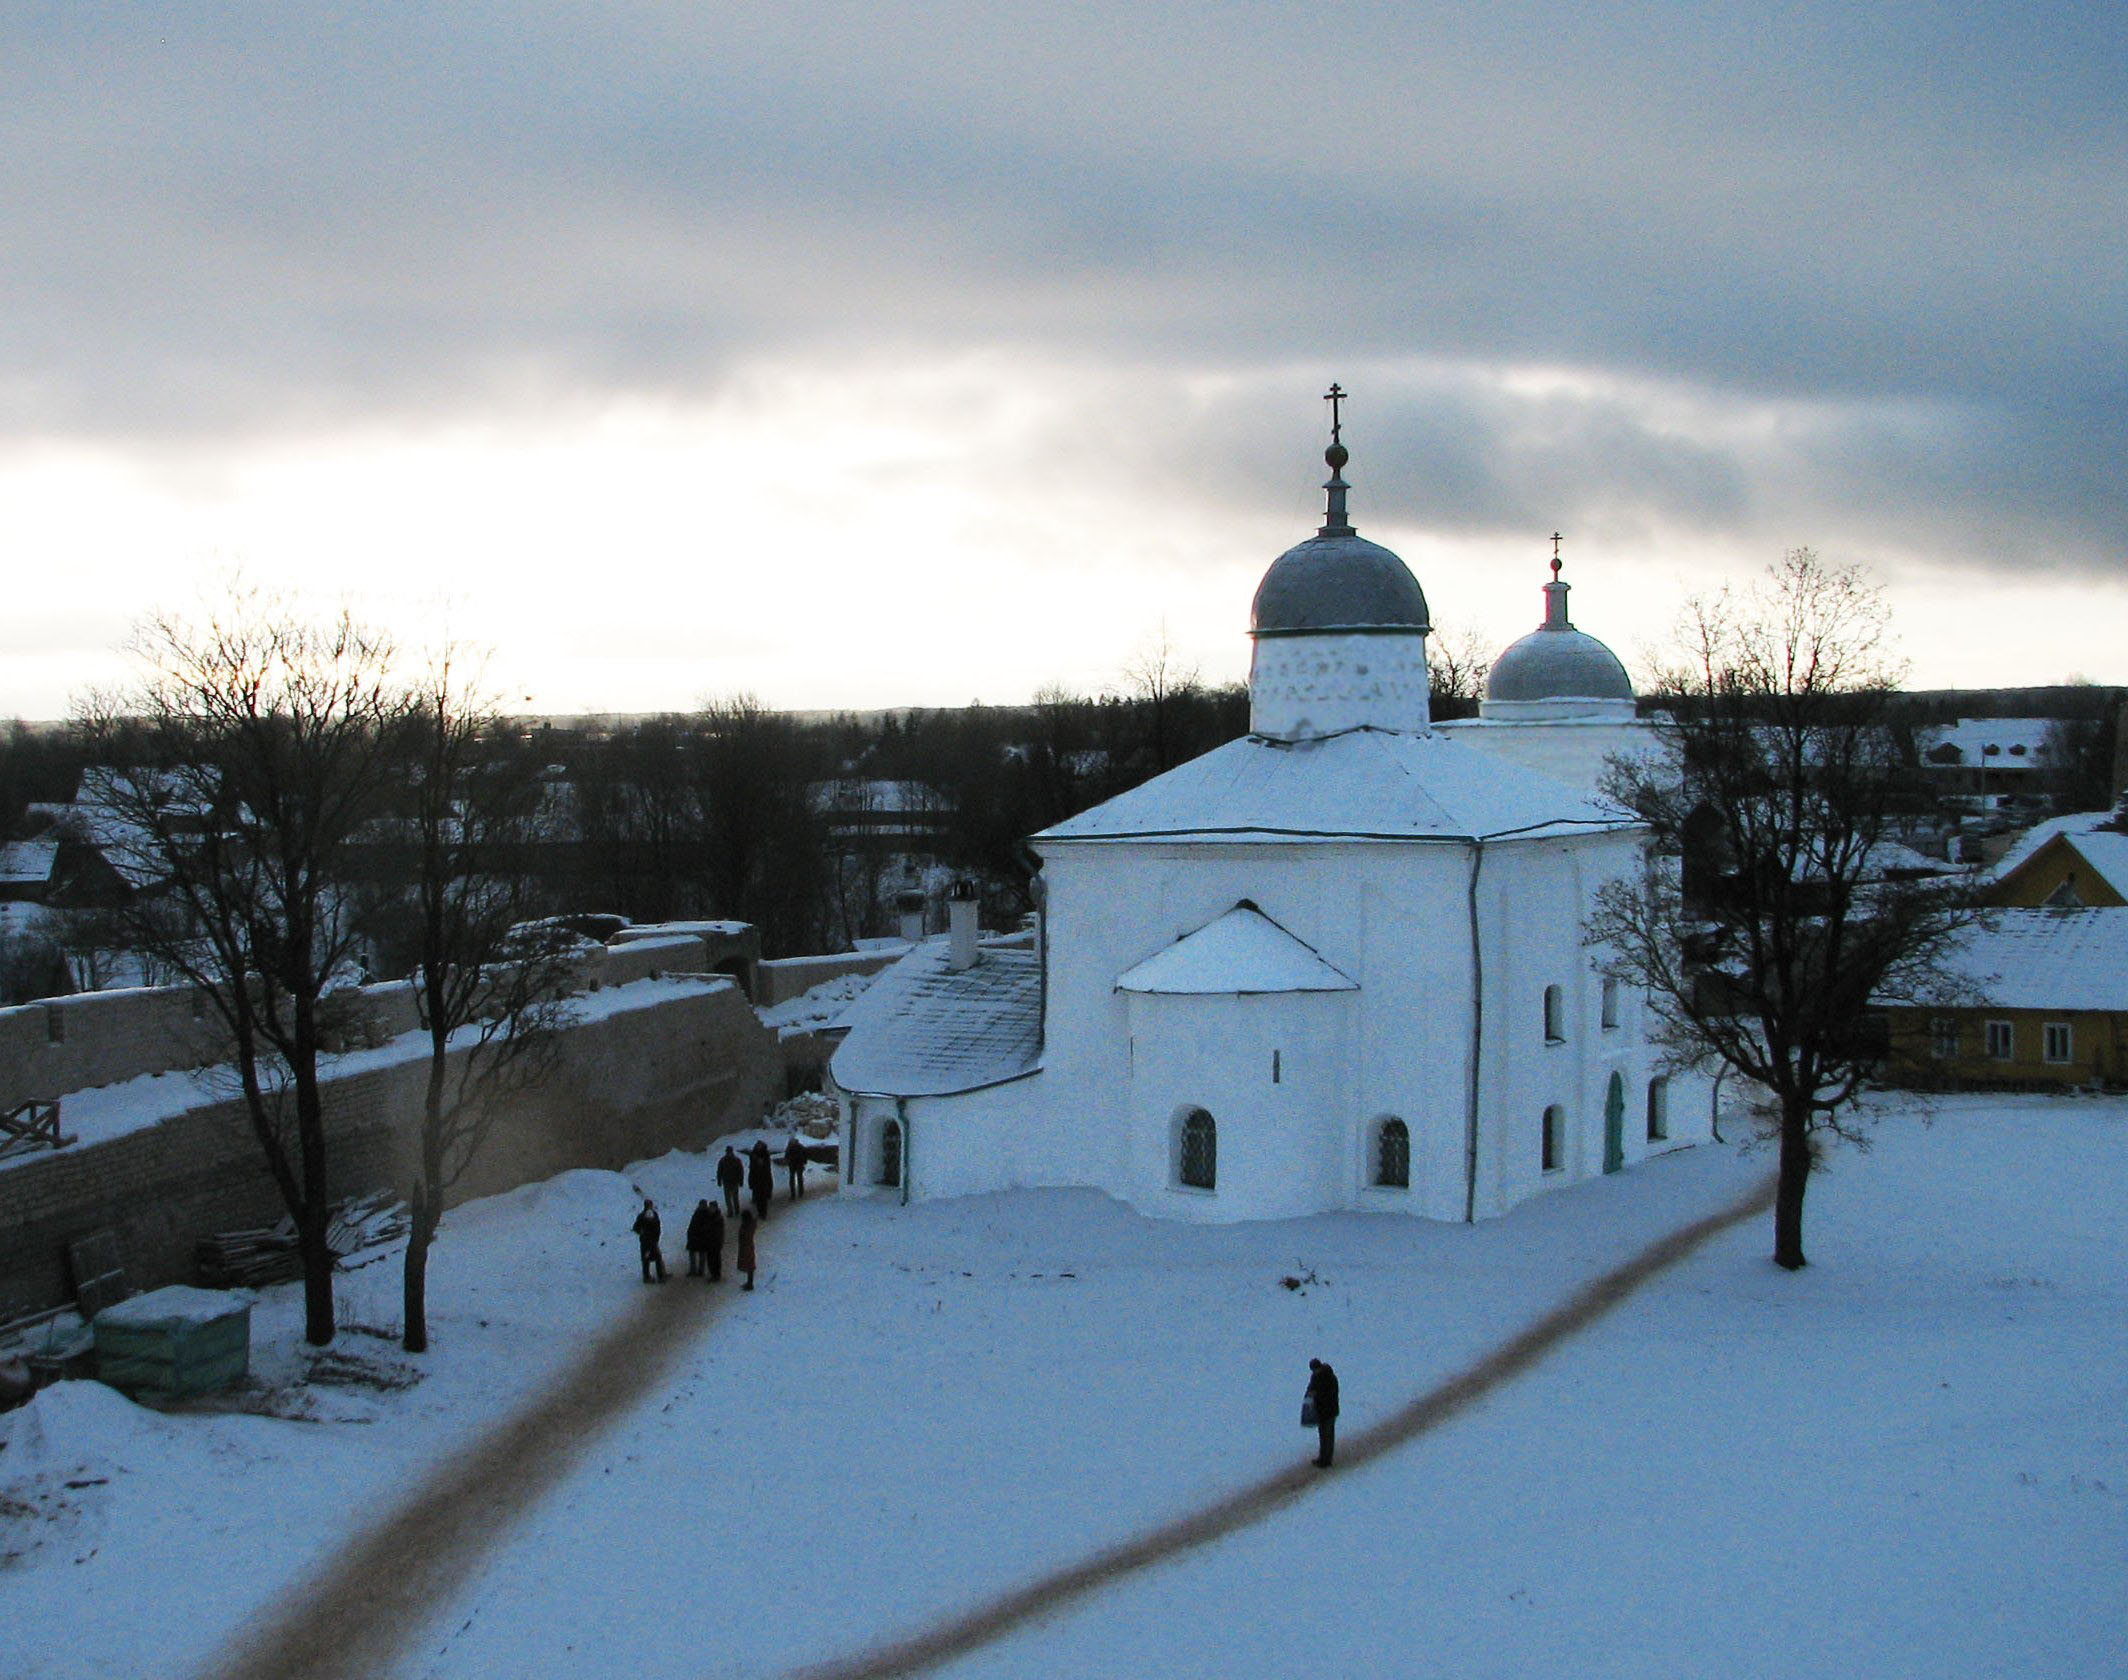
[1614, 1125]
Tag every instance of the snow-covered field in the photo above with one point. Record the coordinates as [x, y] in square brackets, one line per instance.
[1910, 1459]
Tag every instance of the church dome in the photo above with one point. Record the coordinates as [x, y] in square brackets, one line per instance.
[1337, 581]
[1339, 627]
[1557, 662]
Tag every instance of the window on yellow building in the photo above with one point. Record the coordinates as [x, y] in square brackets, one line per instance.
[2002, 1041]
[2060, 1046]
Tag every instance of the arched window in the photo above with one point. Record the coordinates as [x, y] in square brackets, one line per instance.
[1392, 1155]
[1196, 1150]
[1554, 1014]
[1658, 1109]
[1554, 1145]
[889, 1153]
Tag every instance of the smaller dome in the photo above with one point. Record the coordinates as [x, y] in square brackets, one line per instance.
[1337, 582]
[1557, 662]
[1563, 664]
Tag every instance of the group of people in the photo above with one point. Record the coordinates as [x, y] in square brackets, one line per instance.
[756, 1171]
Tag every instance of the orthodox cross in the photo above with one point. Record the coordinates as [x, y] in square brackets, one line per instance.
[1335, 397]
[1555, 554]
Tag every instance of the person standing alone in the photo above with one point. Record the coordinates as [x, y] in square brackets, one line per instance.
[649, 1229]
[1322, 1402]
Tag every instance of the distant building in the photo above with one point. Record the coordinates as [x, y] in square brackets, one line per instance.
[1335, 964]
[1984, 759]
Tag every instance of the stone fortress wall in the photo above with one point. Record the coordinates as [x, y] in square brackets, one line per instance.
[673, 1059]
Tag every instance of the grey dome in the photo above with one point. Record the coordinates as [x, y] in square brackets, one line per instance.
[1555, 661]
[1337, 582]
[1558, 662]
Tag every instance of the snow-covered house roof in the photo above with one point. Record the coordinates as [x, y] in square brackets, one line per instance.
[1243, 951]
[1997, 743]
[1364, 784]
[27, 863]
[2101, 846]
[925, 1030]
[2045, 959]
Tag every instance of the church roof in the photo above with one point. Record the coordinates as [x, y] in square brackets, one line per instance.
[1243, 951]
[922, 1029]
[1365, 784]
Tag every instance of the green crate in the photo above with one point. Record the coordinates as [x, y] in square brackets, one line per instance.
[178, 1340]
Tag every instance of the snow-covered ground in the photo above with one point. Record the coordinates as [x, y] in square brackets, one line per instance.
[1910, 1459]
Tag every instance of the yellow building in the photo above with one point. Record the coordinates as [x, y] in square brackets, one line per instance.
[2076, 862]
[2046, 1005]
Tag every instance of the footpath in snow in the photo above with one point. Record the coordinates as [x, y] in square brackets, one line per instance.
[1908, 1459]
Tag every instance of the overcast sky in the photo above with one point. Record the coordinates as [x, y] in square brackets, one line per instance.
[913, 354]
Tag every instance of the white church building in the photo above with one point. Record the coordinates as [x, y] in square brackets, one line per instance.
[1335, 964]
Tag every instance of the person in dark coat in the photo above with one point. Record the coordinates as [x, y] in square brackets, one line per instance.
[761, 1178]
[744, 1259]
[731, 1173]
[649, 1229]
[1322, 1389]
[705, 1242]
[794, 1159]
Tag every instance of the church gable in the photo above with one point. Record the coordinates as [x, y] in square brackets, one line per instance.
[1241, 952]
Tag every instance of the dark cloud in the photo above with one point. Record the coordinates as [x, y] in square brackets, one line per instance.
[1899, 234]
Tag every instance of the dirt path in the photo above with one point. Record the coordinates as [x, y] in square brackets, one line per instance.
[989, 1621]
[353, 1618]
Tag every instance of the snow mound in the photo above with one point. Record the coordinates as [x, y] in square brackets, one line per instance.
[78, 1431]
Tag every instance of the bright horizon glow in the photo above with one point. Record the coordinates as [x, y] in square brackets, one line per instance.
[881, 534]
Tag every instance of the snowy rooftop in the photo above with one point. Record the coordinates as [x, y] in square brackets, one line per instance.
[924, 1030]
[1368, 784]
[2046, 959]
[1242, 951]
[2104, 848]
[27, 862]
[1997, 743]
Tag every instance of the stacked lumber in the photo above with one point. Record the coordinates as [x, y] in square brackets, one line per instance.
[251, 1259]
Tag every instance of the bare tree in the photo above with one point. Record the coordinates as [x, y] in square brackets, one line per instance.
[490, 980]
[1457, 665]
[1161, 682]
[251, 750]
[1763, 928]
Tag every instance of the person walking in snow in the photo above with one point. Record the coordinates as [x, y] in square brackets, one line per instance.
[744, 1259]
[731, 1173]
[649, 1229]
[705, 1242]
[794, 1159]
[761, 1177]
[1322, 1401]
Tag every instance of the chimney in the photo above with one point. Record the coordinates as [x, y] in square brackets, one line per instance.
[909, 907]
[960, 926]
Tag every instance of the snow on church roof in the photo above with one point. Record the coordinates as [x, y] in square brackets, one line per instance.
[924, 1030]
[1368, 784]
[1243, 951]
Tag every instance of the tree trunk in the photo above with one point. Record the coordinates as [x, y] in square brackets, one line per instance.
[416, 1296]
[317, 1275]
[1788, 1196]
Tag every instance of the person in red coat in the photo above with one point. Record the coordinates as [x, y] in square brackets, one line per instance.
[745, 1260]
